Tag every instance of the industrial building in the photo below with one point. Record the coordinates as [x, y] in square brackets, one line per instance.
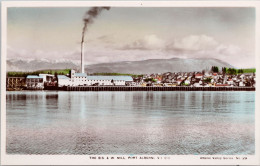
[15, 83]
[38, 82]
[82, 79]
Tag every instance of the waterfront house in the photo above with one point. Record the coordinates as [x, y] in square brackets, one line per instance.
[187, 82]
[241, 83]
[197, 84]
[179, 81]
[198, 75]
[221, 85]
[230, 81]
[34, 82]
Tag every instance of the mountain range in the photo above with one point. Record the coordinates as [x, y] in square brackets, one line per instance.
[132, 67]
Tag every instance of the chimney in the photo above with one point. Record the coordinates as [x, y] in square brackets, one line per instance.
[82, 57]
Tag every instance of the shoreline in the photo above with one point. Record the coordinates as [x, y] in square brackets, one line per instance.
[135, 88]
[151, 88]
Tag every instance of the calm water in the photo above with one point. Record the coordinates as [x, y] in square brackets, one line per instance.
[159, 123]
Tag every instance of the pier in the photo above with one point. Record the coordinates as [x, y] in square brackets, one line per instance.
[151, 88]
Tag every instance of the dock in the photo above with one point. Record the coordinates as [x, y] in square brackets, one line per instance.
[151, 88]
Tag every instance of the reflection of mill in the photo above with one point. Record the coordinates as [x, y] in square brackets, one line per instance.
[52, 102]
[64, 102]
[87, 137]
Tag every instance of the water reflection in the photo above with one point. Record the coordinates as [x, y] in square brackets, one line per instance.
[130, 122]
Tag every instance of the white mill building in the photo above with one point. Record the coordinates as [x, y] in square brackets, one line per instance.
[82, 79]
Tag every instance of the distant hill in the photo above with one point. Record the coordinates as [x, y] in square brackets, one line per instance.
[132, 67]
[157, 66]
[35, 65]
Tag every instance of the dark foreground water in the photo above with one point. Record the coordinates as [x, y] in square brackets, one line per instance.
[155, 123]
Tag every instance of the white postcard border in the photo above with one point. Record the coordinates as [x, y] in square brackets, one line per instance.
[163, 160]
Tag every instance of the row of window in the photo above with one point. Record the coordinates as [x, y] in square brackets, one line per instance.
[34, 80]
[79, 77]
[101, 80]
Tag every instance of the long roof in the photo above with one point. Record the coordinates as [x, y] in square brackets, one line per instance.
[34, 76]
[117, 78]
[80, 75]
[62, 77]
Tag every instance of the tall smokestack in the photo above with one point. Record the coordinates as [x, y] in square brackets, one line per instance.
[82, 57]
[88, 19]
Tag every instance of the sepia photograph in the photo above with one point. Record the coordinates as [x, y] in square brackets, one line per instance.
[129, 83]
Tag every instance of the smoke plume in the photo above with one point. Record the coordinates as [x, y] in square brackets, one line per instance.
[89, 18]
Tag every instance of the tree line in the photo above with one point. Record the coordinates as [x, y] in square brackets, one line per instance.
[231, 71]
[25, 74]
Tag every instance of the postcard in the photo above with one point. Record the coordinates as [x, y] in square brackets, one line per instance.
[130, 82]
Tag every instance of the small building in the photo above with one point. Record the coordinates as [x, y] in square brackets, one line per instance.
[241, 83]
[198, 75]
[222, 85]
[179, 82]
[187, 82]
[13, 83]
[34, 82]
[242, 76]
[230, 81]
[47, 77]
[196, 84]
[63, 81]
[138, 79]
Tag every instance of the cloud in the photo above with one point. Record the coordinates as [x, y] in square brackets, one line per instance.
[228, 49]
[149, 47]
[32, 54]
[193, 43]
[149, 42]
[192, 46]
[188, 43]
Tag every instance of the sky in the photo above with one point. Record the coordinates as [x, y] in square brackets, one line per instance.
[133, 34]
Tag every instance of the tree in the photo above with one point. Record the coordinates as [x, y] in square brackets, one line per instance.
[240, 71]
[149, 80]
[203, 72]
[207, 80]
[232, 71]
[214, 69]
[224, 70]
[56, 74]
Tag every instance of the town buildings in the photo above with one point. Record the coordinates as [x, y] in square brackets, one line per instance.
[191, 79]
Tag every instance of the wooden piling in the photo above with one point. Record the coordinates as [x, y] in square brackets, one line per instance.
[151, 88]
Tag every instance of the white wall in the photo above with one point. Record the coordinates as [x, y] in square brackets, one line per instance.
[64, 82]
